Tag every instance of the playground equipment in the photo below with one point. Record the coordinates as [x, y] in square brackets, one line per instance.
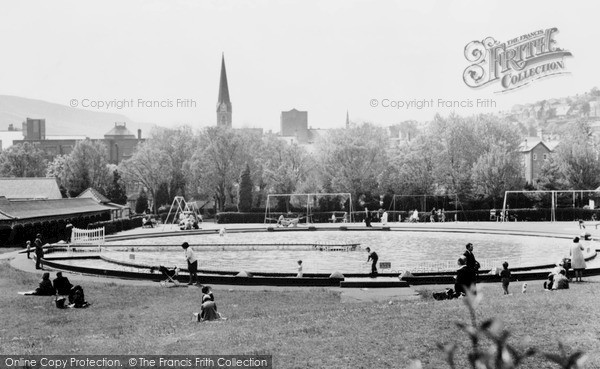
[182, 212]
[300, 206]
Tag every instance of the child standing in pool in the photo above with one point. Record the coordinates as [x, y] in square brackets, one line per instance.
[299, 269]
[505, 277]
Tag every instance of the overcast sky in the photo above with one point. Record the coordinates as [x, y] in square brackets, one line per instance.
[325, 57]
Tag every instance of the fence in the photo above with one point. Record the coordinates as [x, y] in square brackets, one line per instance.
[87, 237]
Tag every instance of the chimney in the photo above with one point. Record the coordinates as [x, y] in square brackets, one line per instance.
[139, 134]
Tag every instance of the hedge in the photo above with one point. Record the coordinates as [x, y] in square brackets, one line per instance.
[118, 225]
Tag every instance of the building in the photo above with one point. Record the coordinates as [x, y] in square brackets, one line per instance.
[534, 153]
[120, 142]
[30, 188]
[34, 129]
[294, 125]
[224, 109]
[117, 211]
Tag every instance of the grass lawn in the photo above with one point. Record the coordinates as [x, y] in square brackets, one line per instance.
[301, 328]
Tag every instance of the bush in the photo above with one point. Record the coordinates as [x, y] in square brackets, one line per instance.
[235, 217]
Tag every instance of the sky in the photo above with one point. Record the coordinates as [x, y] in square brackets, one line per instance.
[325, 57]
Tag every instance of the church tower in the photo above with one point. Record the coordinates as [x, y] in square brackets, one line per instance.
[223, 103]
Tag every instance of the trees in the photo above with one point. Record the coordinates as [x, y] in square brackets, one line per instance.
[285, 166]
[245, 191]
[85, 167]
[178, 144]
[149, 166]
[577, 158]
[496, 171]
[351, 160]
[116, 189]
[214, 168]
[141, 203]
[22, 160]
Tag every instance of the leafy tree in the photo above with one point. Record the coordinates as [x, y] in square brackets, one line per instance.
[178, 144]
[495, 172]
[149, 166]
[550, 176]
[245, 191]
[86, 166]
[141, 204]
[56, 169]
[578, 158]
[116, 191]
[22, 160]
[213, 170]
[162, 195]
[352, 159]
[286, 166]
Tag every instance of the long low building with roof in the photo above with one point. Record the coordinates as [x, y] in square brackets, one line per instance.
[21, 220]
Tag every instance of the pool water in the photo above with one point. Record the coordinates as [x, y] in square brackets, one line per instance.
[413, 251]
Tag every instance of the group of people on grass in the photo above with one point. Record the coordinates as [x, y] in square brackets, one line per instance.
[62, 288]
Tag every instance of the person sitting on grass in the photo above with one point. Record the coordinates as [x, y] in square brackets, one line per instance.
[557, 270]
[464, 277]
[45, 287]
[62, 284]
[560, 281]
[208, 310]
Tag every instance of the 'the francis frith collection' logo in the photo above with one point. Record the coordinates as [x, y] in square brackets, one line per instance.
[516, 62]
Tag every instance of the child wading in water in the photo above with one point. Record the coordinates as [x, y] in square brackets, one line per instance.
[505, 277]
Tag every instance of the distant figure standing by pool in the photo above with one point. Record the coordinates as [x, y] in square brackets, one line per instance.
[472, 264]
[28, 246]
[415, 216]
[384, 218]
[39, 251]
[577, 259]
[192, 263]
[432, 216]
[300, 274]
[505, 277]
[374, 257]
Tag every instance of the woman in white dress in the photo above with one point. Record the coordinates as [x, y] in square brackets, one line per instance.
[577, 259]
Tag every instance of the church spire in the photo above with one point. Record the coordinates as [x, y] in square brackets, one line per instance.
[224, 109]
[347, 120]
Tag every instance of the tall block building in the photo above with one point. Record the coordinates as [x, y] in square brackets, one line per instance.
[34, 129]
[294, 123]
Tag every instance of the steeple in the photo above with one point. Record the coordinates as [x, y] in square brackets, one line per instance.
[223, 103]
[347, 120]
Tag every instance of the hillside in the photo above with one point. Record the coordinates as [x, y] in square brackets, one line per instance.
[62, 119]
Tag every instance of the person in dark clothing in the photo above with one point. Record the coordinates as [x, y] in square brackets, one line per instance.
[45, 287]
[374, 257]
[464, 277]
[62, 284]
[39, 251]
[472, 264]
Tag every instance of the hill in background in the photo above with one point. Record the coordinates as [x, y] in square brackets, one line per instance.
[62, 119]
